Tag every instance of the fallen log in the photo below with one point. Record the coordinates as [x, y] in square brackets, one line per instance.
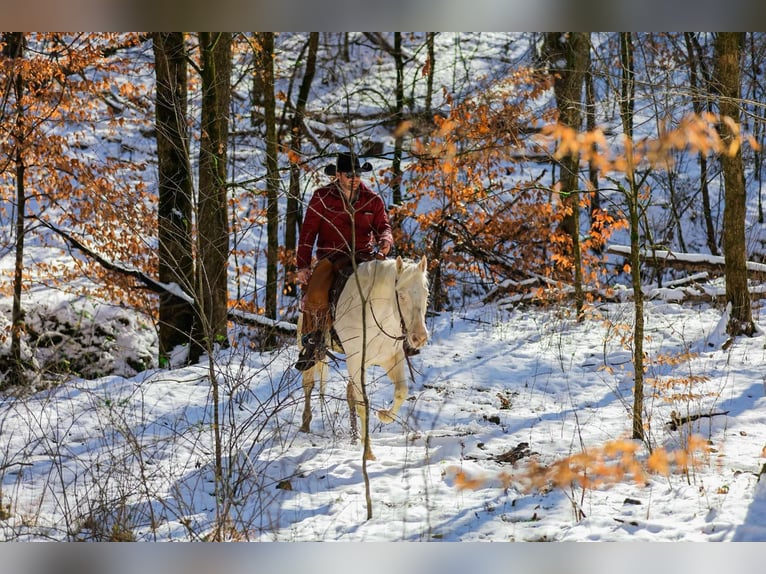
[692, 262]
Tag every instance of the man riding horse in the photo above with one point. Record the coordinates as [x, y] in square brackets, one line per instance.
[342, 218]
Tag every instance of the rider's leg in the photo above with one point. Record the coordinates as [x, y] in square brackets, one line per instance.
[316, 315]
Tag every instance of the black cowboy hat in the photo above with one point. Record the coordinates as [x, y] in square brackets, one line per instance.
[347, 162]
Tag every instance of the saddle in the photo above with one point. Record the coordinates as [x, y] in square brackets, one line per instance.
[342, 274]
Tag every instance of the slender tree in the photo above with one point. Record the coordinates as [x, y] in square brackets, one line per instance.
[698, 80]
[272, 175]
[568, 57]
[590, 125]
[728, 54]
[212, 209]
[396, 167]
[14, 50]
[174, 216]
[428, 71]
[293, 210]
[632, 196]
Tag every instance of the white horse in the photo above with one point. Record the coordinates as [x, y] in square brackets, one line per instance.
[381, 306]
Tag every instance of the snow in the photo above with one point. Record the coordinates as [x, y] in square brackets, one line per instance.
[488, 381]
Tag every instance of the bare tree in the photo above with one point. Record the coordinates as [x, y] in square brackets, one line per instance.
[396, 167]
[212, 220]
[632, 197]
[272, 174]
[698, 80]
[174, 216]
[14, 50]
[293, 211]
[728, 54]
[568, 58]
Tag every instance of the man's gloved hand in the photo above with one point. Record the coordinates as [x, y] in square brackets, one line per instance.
[384, 246]
[302, 276]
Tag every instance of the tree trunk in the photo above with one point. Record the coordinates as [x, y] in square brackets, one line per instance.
[590, 125]
[14, 48]
[728, 50]
[272, 175]
[757, 95]
[396, 168]
[212, 220]
[568, 54]
[176, 263]
[293, 211]
[632, 195]
[697, 84]
[430, 38]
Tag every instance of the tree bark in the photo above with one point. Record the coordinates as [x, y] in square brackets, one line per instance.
[293, 211]
[728, 51]
[396, 167]
[568, 54]
[212, 220]
[14, 49]
[272, 175]
[174, 217]
[430, 40]
[697, 81]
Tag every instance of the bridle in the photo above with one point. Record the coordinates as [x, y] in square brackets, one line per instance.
[402, 323]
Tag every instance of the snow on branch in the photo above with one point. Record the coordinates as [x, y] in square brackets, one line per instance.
[261, 321]
[152, 284]
[679, 260]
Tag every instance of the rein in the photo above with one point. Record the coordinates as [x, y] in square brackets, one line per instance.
[401, 337]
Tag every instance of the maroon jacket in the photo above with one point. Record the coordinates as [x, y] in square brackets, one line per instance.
[328, 223]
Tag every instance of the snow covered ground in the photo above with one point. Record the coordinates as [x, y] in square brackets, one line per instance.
[132, 458]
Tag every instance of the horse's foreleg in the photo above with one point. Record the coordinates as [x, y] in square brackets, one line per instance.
[356, 403]
[356, 400]
[351, 401]
[309, 381]
[398, 375]
[308, 386]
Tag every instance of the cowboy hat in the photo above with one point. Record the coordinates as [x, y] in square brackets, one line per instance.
[347, 162]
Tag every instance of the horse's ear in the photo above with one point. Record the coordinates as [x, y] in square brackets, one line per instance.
[399, 264]
[423, 263]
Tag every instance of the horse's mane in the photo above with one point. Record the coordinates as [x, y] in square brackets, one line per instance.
[376, 273]
[380, 270]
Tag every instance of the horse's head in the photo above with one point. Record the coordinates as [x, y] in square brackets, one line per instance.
[412, 296]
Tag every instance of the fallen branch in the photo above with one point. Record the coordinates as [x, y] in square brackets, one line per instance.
[676, 421]
[151, 284]
[243, 317]
[235, 315]
[662, 258]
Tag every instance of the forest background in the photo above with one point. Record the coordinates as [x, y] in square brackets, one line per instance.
[515, 175]
[168, 173]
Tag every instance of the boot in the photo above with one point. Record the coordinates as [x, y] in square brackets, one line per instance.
[314, 349]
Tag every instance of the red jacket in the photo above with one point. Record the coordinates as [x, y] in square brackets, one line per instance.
[328, 223]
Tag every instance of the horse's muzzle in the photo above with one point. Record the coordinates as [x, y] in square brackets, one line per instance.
[417, 338]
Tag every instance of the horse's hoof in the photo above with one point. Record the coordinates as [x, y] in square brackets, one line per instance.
[386, 416]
